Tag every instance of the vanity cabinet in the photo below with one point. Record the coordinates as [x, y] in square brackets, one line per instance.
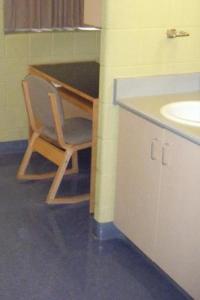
[158, 197]
[138, 178]
[92, 13]
[178, 224]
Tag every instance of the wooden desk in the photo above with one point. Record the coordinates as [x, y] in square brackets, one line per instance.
[78, 83]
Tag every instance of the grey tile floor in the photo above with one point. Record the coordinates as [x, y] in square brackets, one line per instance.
[50, 253]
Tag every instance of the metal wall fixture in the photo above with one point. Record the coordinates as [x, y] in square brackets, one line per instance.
[173, 33]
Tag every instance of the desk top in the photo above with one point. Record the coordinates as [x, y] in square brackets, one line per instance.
[83, 76]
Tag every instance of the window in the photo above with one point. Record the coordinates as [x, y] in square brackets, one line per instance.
[42, 15]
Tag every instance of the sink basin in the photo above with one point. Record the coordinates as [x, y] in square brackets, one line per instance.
[184, 112]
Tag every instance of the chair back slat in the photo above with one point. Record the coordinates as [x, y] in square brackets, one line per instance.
[40, 103]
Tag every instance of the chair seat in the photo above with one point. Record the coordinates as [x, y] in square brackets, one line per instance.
[76, 131]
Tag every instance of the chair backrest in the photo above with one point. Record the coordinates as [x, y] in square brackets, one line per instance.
[38, 91]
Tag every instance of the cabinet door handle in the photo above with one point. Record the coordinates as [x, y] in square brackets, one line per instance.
[153, 149]
[165, 156]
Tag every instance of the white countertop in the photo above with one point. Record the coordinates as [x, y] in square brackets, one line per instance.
[149, 107]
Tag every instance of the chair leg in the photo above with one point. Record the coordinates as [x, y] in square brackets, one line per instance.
[75, 166]
[51, 197]
[21, 174]
[26, 158]
[58, 177]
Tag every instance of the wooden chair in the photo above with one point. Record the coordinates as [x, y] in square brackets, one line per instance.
[52, 136]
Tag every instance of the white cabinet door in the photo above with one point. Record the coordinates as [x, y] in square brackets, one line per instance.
[158, 197]
[138, 180]
[92, 12]
[178, 228]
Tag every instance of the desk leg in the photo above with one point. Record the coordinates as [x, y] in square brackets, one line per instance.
[94, 156]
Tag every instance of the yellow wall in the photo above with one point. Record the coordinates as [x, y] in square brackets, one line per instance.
[134, 43]
[17, 52]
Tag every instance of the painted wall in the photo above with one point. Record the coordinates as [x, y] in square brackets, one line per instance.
[20, 50]
[134, 43]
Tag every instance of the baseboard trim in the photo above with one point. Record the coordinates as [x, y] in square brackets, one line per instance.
[105, 231]
[13, 146]
[108, 231]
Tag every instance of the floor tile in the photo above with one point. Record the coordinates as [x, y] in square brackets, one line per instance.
[50, 252]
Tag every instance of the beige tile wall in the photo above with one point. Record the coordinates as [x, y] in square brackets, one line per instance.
[17, 51]
[134, 43]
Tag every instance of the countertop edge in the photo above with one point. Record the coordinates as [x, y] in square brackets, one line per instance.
[155, 121]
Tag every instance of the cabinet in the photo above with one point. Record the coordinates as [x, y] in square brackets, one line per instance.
[137, 180]
[158, 197]
[92, 12]
[178, 229]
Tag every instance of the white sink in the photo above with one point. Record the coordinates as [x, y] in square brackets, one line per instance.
[184, 112]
